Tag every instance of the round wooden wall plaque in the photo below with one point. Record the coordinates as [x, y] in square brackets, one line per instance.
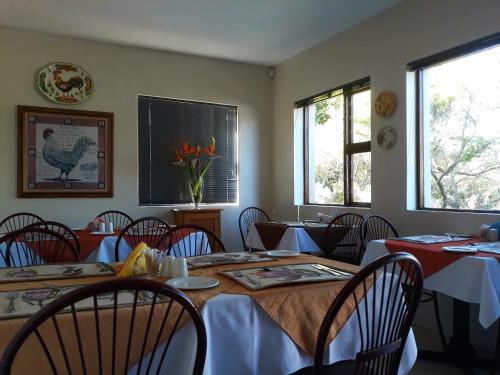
[385, 104]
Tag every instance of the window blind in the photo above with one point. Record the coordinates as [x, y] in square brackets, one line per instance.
[361, 84]
[164, 124]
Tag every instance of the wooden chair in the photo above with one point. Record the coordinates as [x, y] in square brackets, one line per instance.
[60, 228]
[349, 248]
[376, 227]
[4, 243]
[37, 245]
[119, 219]
[384, 311]
[249, 216]
[18, 221]
[103, 339]
[191, 240]
[149, 230]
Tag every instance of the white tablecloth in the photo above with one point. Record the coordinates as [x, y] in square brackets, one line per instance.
[294, 238]
[20, 257]
[106, 250]
[242, 339]
[470, 279]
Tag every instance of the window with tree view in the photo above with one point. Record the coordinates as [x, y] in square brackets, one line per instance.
[459, 138]
[337, 158]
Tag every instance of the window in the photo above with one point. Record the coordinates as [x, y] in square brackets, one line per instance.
[458, 118]
[164, 124]
[337, 158]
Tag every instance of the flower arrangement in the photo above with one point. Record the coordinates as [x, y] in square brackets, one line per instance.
[198, 159]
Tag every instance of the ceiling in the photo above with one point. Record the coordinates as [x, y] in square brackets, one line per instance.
[264, 32]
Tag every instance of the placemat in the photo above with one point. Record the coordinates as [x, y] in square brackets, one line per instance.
[26, 302]
[257, 278]
[217, 259]
[55, 271]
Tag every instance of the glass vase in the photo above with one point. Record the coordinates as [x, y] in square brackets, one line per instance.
[196, 190]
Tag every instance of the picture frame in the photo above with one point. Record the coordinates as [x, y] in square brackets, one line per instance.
[64, 153]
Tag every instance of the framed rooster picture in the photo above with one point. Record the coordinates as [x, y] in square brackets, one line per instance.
[64, 153]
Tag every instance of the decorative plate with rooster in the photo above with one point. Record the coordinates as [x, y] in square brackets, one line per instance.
[64, 83]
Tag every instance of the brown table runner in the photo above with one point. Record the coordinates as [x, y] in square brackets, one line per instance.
[335, 235]
[270, 234]
[298, 310]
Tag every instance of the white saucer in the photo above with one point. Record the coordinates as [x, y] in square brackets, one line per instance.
[281, 253]
[193, 282]
[459, 249]
[101, 233]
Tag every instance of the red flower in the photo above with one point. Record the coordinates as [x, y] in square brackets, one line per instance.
[178, 155]
[210, 150]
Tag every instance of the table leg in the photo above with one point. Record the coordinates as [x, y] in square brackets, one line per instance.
[459, 350]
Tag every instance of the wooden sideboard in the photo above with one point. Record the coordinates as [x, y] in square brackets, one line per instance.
[205, 217]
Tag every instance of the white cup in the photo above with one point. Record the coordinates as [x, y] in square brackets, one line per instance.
[180, 268]
[109, 227]
[101, 227]
[492, 235]
[167, 265]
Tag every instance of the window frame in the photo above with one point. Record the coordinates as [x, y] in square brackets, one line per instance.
[417, 67]
[350, 148]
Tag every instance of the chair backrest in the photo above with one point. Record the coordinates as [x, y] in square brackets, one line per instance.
[4, 243]
[249, 216]
[38, 245]
[383, 298]
[348, 249]
[376, 227]
[119, 219]
[18, 221]
[125, 322]
[191, 240]
[60, 228]
[149, 230]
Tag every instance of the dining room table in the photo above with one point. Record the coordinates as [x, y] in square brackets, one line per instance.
[100, 247]
[294, 236]
[459, 269]
[263, 331]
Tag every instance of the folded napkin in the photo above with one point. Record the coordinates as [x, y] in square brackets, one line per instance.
[135, 264]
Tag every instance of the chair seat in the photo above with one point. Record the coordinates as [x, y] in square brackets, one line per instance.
[342, 368]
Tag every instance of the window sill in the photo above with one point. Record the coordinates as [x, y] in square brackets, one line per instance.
[365, 206]
[453, 210]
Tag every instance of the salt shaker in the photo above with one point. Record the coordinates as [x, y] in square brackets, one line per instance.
[167, 265]
[109, 227]
[180, 268]
[492, 235]
[101, 227]
[483, 231]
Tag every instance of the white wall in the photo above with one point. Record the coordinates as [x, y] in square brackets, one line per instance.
[120, 74]
[379, 48]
